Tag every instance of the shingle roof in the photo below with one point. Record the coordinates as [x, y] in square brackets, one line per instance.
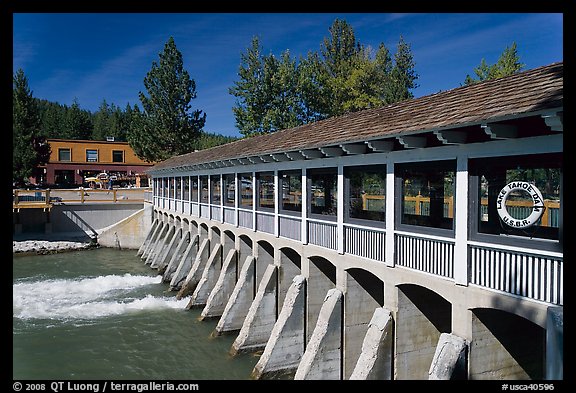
[525, 92]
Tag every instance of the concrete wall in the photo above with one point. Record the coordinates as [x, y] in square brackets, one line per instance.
[128, 233]
[505, 346]
[359, 306]
[321, 278]
[81, 220]
[422, 316]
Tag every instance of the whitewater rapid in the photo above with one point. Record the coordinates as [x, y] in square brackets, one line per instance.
[87, 297]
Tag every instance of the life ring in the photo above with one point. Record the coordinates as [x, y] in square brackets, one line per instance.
[537, 204]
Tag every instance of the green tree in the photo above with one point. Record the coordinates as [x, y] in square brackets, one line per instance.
[168, 128]
[403, 76]
[77, 123]
[29, 145]
[251, 91]
[344, 76]
[507, 64]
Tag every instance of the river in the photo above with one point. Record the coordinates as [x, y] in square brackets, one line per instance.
[104, 314]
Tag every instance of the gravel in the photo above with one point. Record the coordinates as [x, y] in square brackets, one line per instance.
[48, 247]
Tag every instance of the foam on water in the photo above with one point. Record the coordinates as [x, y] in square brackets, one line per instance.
[86, 298]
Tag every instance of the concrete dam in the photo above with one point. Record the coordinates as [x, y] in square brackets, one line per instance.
[422, 240]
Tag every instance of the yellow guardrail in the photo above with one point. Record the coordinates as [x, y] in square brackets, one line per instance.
[45, 199]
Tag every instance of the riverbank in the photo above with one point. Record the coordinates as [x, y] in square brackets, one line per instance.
[47, 246]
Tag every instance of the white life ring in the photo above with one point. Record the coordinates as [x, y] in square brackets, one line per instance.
[537, 204]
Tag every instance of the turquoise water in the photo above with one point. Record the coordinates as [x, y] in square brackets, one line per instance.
[104, 314]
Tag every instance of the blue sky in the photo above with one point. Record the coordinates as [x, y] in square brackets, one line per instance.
[95, 56]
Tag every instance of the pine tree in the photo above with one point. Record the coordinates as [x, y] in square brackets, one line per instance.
[507, 64]
[403, 76]
[168, 128]
[29, 147]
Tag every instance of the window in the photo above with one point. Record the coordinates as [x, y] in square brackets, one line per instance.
[165, 187]
[291, 182]
[524, 177]
[366, 194]
[427, 194]
[203, 189]
[229, 190]
[64, 155]
[117, 156]
[265, 183]
[194, 181]
[178, 187]
[245, 190]
[91, 155]
[186, 195]
[215, 190]
[323, 193]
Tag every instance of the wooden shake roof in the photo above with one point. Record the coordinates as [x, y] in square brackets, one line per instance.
[524, 93]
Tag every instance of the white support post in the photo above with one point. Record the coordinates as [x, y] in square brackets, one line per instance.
[255, 192]
[209, 197]
[237, 193]
[304, 230]
[278, 195]
[340, 210]
[222, 198]
[390, 212]
[461, 222]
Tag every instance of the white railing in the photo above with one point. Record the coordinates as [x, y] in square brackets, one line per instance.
[215, 213]
[290, 227]
[230, 215]
[430, 255]
[204, 211]
[520, 273]
[245, 219]
[366, 243]
[265, 222]
[323, 233]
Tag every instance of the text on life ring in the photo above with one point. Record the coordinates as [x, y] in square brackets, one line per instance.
[537, 204]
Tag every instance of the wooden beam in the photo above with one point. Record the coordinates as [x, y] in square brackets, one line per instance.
[332, 151]
[255, 160]
[295, 155]
[266, 158]
[312, 153]
[354, 148]
[448, 137]
[244, 161]
[555, 121]
[381, 146]
[500, 131]
[412, 141]
[281, 157]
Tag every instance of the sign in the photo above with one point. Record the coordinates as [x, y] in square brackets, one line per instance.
[537, 204]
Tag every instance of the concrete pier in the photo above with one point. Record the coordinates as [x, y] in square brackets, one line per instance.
[323, 355]
[176, 256]
[208, 279]
[240, 300]
[223, 288]
[555, 343]
[149, 254]
[285, 347]
[150, 238]
[196, 270]
[449, 359]
[161, 246]
[164, 256]
[188, 256]
[261, 317]
[376, 358]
